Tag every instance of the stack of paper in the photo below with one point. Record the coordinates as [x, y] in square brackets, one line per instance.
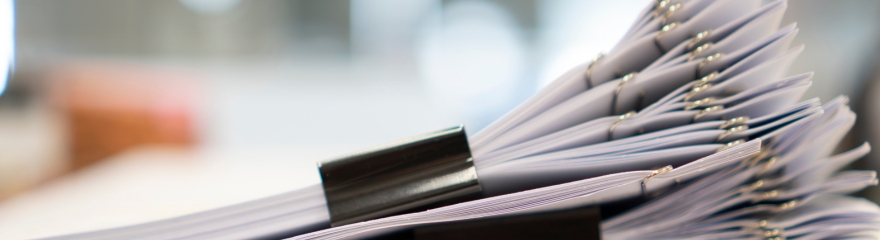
[692, 109]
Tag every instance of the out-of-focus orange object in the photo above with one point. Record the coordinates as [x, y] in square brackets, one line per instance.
[111, 107]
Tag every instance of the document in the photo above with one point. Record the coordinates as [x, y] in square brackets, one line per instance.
[692, 112]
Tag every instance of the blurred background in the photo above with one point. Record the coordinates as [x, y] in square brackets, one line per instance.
[124, 111]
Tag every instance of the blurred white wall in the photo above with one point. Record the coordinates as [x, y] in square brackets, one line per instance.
[7, 40]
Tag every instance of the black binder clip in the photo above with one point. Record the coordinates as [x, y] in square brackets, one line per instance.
[581, 223]
[416, 174]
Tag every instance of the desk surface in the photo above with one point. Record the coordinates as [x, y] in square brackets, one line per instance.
[155, 183]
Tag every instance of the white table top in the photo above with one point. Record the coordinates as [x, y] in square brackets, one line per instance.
[154, 183]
